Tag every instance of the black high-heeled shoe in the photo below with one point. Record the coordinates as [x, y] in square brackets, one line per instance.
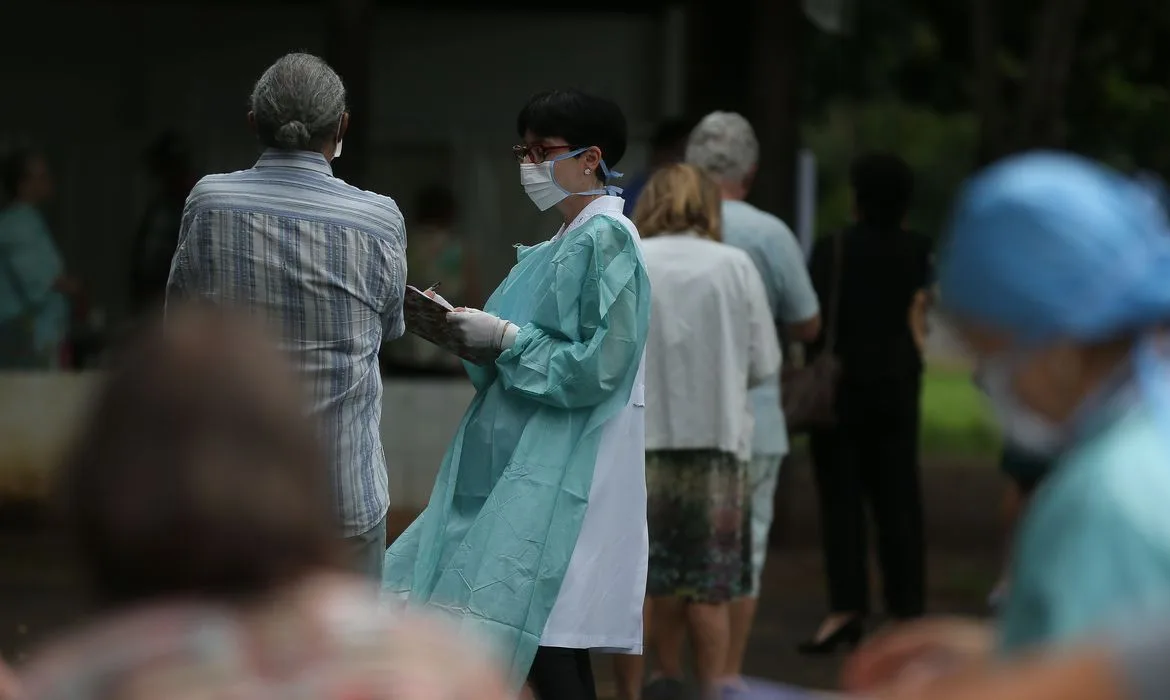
[847, 635]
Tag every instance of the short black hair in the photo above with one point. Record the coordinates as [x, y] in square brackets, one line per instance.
[14, 168]
[436, 204]
[578, 118]
[883, 186]
[670, 135]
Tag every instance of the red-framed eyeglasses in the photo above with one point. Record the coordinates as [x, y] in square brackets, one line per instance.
[537, 152]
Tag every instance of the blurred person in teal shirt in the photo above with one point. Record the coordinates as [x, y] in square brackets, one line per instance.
[34, 289]
[1024, 471]
[1056, 276]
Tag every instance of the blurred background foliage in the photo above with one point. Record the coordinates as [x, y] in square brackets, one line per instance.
[917, 77]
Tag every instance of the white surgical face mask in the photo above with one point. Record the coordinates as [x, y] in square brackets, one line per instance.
[540, 182]
[1022, 427]
[541, 185]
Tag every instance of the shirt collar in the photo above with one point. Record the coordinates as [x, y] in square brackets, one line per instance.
[305, 160]
[605, 204]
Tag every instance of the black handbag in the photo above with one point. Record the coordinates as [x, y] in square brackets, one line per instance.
[809, 393]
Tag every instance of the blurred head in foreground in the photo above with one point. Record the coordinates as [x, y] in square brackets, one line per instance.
[196, 472]
[1057, 274]
[202, 507]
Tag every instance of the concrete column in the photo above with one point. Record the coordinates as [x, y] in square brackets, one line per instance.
[350, 24]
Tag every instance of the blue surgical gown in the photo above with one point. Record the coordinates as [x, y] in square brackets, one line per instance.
[495, 539]
[1094, 547]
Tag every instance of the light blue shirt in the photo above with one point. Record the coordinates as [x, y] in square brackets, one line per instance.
[326, 262]
[1093, 551]
[777, 255]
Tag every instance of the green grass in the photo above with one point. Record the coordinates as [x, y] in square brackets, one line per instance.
[956, 420]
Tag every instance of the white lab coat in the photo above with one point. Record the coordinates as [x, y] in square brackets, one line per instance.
[601, 597]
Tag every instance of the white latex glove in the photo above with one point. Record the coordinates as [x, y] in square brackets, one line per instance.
[477, 329]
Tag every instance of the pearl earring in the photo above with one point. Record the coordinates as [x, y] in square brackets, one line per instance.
[588, 171]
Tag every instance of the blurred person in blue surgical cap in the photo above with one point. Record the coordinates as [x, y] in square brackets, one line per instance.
[1057, 276]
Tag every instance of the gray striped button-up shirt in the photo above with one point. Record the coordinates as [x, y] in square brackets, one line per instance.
[325, 262]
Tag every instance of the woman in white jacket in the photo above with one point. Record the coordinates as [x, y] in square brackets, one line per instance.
[711, 338]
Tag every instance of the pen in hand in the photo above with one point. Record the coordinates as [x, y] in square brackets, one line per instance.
[430, 293]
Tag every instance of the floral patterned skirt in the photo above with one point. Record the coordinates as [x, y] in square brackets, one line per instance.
[699, 520]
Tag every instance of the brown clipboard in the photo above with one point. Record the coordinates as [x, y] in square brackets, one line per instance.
[427, 318]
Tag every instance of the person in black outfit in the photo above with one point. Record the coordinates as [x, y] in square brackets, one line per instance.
[871, 456]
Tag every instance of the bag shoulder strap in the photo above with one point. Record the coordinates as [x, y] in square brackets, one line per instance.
[835, 292]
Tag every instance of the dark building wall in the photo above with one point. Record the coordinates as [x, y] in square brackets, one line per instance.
[744, 56]
[93, 81]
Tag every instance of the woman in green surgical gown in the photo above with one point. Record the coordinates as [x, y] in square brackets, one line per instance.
[535, 533]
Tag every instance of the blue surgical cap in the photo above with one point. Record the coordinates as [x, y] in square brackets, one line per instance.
[1050, 245]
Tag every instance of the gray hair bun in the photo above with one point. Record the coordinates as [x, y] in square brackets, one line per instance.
[293, 135]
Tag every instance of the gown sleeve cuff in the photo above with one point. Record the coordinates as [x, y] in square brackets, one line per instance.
[509, 337]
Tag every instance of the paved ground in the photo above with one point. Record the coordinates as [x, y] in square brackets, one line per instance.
[38, 595]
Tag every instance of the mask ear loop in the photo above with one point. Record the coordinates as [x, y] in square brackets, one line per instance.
[608, 175]
[550, 165]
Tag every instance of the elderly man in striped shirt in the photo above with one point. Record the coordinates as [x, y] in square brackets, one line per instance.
[323, 261]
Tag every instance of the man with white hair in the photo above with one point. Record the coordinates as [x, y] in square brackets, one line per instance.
[324, 261]
[725, 146]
